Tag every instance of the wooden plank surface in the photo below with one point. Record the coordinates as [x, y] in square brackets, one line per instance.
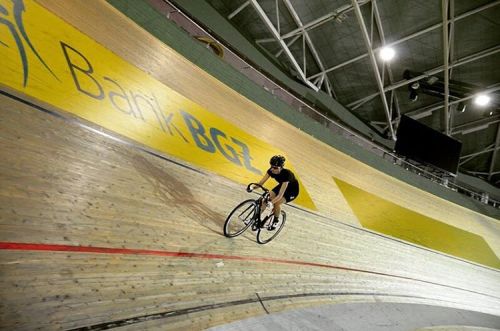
[102, 23]
[62, 184]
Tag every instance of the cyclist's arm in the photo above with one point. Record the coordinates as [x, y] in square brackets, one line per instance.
[284, 185]
[264, 179]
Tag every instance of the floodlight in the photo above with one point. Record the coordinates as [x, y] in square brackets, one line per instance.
[387, 53]
[482, 100]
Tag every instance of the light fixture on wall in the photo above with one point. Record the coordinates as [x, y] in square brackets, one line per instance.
[413, 87]
[482, 100]
[461, 107]
[431, 80]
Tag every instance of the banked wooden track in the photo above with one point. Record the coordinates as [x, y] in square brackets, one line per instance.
[97, 234]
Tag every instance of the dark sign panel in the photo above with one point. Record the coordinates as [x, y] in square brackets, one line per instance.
[421, 143]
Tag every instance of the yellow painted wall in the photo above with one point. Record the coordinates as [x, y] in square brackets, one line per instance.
[137, 69]
[84, 78]
[381, 215]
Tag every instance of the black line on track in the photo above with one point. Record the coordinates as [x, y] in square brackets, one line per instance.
[180, 312]
[262, 304]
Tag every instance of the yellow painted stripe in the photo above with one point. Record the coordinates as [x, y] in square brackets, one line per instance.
[383, 216]
[56, 63]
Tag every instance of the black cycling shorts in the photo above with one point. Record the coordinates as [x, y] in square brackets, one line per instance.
[292, 191]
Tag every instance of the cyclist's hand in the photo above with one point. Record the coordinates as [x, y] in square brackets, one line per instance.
[270, 205]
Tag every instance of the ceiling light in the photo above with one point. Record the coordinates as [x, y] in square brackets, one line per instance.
[482, 100]
[387, 53]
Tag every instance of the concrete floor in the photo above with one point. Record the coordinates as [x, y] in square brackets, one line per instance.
[370, 317]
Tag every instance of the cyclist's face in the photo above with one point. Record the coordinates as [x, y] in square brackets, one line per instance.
[275, 170]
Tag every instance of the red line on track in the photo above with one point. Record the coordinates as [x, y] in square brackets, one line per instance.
[129, 251]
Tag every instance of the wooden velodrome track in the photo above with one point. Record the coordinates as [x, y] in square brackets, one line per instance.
[98, 233]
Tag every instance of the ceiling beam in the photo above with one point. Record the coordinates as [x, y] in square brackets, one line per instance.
[414, 35]
[452, 35]
[310, 44]
[493, 157]
[378, 21]
[482, 173]
[278, 25]
[474, 126]
[240, 8]
[428, 111]
[451, 46]
[276, 35]
[466, 128]
[373, 61]
[288, 44]
[426, 74]
[323, 19]
[466, 158]
[446, 113]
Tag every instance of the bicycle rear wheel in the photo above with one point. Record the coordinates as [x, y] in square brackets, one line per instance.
[240, 218]
[264, 235]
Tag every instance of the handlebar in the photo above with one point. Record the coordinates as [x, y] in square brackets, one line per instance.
[250, 189]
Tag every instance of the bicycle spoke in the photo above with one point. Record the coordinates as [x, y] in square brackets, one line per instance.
[250, 209]
[265, 235]
[238, 221]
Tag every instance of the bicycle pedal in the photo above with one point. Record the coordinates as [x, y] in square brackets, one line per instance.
[272, 226]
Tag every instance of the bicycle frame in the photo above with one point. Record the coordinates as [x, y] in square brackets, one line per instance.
[264, 197]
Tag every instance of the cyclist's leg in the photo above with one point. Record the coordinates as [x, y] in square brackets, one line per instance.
[290, 194]
[272, 195]
[277, 207]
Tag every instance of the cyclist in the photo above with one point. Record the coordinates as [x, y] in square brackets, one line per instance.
[286, 190]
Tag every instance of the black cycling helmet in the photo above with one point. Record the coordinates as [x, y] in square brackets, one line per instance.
[277, 161]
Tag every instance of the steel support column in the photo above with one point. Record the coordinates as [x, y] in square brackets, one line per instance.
[380, 84]
[493, 157]
[378, 21]
[446, 112]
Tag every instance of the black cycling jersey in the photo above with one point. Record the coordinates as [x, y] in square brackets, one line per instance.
[285, 175]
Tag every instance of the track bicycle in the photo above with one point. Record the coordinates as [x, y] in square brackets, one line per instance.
[248, 214]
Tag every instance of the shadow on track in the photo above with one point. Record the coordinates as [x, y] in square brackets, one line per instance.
[173, 191]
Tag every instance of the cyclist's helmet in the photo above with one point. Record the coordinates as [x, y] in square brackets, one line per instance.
[277, 161]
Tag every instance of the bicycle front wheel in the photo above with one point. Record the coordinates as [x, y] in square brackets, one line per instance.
[264, 235]
[240, 218]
